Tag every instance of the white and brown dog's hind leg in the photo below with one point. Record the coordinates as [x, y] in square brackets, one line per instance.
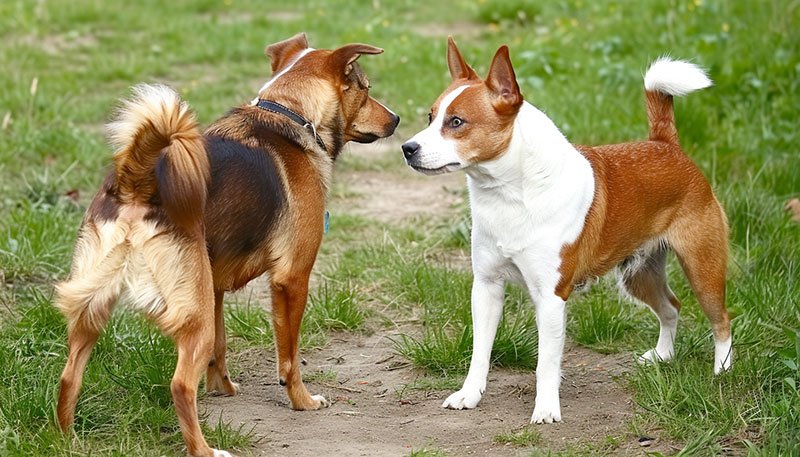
[217, 376]
[646, 281]
[86, 300]
[700, 241]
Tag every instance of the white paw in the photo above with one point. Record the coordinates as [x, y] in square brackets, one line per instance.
[218, 453]
[546, 412]
[464, 398]
[653, 356]
[323, 402]
[723, 356]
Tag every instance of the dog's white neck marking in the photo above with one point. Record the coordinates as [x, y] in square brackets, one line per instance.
[541, 182]
[537, 153]
[281, 73]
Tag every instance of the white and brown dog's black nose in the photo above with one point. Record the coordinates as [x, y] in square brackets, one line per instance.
[410, 149]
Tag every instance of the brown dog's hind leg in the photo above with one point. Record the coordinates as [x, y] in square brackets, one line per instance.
[217, 377]
[194, 343]
[81, 342]
[288, 303]
[86, 300]
[182, 274]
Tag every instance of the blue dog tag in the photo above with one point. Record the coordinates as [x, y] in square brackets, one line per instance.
[327, 221]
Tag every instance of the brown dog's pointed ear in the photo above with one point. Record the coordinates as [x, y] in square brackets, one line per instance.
[342, 58]
[502, 81]
[283, 52]
[456, 63]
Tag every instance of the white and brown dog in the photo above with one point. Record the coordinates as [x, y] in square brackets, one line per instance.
[550, 214]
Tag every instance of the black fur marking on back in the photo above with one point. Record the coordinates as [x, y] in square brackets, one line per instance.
[245, 198]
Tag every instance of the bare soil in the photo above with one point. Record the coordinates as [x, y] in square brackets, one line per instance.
[374, 413]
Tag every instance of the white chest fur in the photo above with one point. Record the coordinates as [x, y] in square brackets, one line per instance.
[528, 203]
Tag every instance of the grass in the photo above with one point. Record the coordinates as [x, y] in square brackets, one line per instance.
[525, 437]
[66, 63]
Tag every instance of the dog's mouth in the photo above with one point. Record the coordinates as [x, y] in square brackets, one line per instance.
[436, 171]
[366, 137]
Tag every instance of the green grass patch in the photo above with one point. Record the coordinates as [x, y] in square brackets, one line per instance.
[601, 320]
[525, 437]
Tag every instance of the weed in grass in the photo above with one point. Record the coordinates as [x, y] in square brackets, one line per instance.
[524, 437]
[336, 307]
[324, 376]
[34, 245]
[601, 320]
[251, 323]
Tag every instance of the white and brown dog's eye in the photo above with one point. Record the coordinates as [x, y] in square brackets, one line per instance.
[456, 122]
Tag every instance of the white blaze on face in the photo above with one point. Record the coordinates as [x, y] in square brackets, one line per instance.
[437, 153]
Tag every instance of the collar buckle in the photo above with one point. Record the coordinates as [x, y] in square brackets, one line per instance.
[277, 108]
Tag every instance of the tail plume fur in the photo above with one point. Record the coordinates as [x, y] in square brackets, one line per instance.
[160, 151]
[667, 78]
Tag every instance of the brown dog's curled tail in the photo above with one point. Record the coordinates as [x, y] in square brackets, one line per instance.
[160, 155]
[667, 78]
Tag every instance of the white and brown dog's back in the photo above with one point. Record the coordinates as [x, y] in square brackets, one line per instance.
[552, 215]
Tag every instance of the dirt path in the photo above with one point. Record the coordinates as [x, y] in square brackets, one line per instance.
[374, 414]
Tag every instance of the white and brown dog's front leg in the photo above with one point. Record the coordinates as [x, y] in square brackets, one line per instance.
[487, 309]
[550, 324]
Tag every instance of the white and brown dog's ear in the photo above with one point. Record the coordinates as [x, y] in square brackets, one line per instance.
[284, 52]
[502, 82]
[342, 59]
[459, 69]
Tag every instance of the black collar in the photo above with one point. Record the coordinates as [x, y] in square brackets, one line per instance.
[274, 107]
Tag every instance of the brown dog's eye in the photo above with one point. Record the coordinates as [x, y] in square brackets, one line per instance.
[456, 122]
[430, 118]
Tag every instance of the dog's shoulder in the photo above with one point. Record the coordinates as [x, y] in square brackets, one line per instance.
[253, 129]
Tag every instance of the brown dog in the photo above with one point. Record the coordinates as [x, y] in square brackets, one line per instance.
[185, 216]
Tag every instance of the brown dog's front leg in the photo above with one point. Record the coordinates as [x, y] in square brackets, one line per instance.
[288, 305]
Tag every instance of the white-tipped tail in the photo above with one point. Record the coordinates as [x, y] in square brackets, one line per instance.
[149, 101]
[160, 149]
[675, 77]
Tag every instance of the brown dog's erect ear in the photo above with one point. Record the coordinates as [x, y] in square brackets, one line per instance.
[456, 63]
[502, 81]
[283, 52]
[342, 58]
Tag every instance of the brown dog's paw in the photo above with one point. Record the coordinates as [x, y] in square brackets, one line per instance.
[309, 402]
[221, 385]
[320, 401]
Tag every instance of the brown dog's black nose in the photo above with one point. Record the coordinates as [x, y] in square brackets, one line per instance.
[395, 121]
[410, 148]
